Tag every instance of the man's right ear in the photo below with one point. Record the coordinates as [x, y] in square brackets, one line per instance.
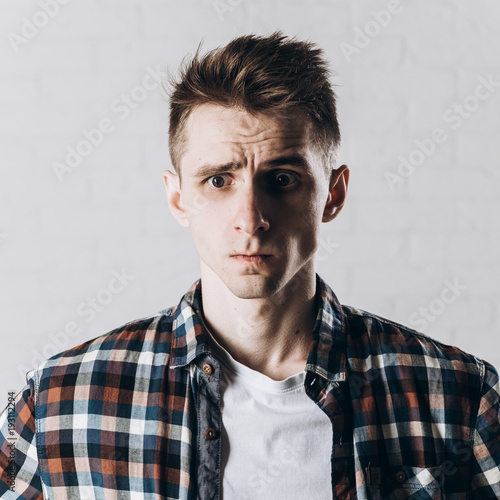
[174, 198]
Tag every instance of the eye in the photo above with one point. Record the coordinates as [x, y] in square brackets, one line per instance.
[284, 179]
[218, 181]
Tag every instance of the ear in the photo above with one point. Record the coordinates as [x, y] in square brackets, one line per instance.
[174, 198]
[339, 180]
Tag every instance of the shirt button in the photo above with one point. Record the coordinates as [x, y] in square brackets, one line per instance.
[400, 476]
[210, 433]
[207, 369]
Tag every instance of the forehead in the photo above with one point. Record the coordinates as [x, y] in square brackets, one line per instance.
[213, 129]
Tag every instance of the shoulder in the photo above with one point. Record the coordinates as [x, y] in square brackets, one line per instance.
[146, 339]
[372, 335]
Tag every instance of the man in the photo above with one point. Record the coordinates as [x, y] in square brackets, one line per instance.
[259, 384]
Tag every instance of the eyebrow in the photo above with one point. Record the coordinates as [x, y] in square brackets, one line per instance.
[295, 160]
[208, 169]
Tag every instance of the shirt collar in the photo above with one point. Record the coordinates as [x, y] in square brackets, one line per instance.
[326, 358]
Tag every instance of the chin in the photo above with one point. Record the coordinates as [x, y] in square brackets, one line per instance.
[253, 286]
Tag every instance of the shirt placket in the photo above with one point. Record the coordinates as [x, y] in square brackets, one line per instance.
[208, 457]
[332, 398]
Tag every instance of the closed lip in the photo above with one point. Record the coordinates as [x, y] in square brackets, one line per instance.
[251, 255]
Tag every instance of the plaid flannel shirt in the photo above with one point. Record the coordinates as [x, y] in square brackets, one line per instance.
[135, 413]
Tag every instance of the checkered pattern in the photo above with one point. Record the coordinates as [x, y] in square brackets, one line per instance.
[116, 416]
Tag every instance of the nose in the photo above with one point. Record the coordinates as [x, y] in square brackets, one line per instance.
[249, 216]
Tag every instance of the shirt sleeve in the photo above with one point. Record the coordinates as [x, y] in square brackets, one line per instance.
[486, 456]
[19, 474]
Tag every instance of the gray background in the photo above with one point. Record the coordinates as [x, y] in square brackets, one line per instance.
[393, 251]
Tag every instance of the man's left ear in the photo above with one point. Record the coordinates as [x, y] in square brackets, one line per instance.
[339, 181]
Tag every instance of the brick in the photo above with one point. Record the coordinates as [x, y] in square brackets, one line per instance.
[478, 152]
[155, 154]
[327, 18]
[19, 219]
[17, 94]
[382, 116]
[159, 20]
[115, 154]
[384, 51]
[362, 16]
[38, 58]
[337, 276]
[175, 248]
[478, 51]
[406, 306]
[398, 84]
[474, 21]
[454, 247]
[165, 285]
[442, 53]
[113, 186]
[15, 65]
[481, 278]
[465, 316]
[424, 151]
[149, 118]
[382, 152]
[482, 342]
[156, 219]
[363, 247]
[133, 54]
[51, 253]
[425, 115]
[15, 283]
[12, 12]
[411, 216]
[455, 51]
[77, 20]
[365, 184]
[32, 175]
[61, 91]
[452, 183]
[474, 216]
[90, 219]
[401, 281]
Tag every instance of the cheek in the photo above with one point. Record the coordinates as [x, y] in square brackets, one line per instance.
[306, 213]
[304, 226]
[207, 224]
[309, 240]
[208, 216]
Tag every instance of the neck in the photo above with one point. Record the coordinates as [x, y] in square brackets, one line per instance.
[272, 335]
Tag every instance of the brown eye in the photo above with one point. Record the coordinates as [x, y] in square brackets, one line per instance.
[217, 181]
[284, 179]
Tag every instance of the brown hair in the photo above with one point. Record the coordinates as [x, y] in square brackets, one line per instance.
[273, 74]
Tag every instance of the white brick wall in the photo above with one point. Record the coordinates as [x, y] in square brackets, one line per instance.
[60, 242]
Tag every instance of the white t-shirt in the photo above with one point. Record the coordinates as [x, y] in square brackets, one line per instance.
[276, 442]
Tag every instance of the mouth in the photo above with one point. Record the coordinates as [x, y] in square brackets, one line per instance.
[256, 258]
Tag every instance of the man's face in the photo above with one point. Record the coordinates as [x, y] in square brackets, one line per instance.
[254, 191]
